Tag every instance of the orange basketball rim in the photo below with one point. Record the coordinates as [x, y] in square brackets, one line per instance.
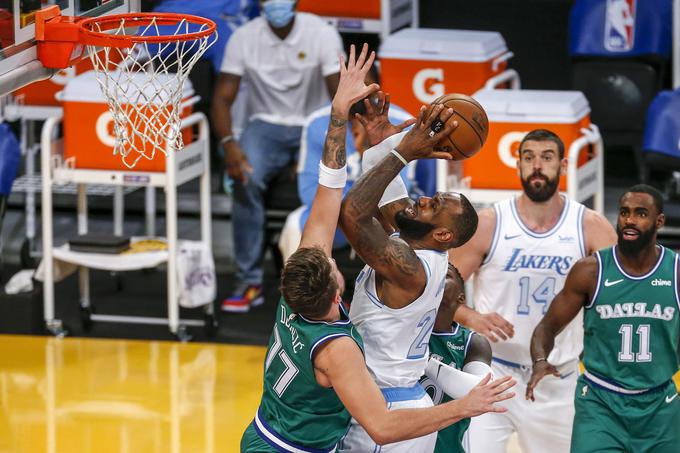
[141, 60]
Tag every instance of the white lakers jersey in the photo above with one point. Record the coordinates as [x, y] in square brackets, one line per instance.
[521, 275]
[395, 340]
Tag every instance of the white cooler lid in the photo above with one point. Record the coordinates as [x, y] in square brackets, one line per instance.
[443, 45]
[541, 106]
[85, 88]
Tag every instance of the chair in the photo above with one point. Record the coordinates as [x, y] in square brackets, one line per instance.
[620, 52]
[661, 142]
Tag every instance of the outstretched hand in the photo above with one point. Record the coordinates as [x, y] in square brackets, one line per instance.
[540, 370]
[492, 325]
[351, 87]
[376, 120]
[482, 397]
[421, 141]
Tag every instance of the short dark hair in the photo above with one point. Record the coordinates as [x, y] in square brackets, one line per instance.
[466, 222]
[307, 282]
[644, 188]
[542, 135]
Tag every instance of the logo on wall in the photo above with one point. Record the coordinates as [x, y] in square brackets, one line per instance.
[428, 84]
[508, 146]
[619, 29]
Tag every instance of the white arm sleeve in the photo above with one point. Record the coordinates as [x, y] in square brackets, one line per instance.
[477, 368]
[396, 189]
[453, 382]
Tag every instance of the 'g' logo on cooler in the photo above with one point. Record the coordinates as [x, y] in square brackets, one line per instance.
[506, 150]
[103, 130]
[428, 84]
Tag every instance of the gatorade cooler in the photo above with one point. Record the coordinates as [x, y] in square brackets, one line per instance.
[418, 64]
[43, 92]
[369, 9]
[513, 113]
[364, 16]
[88, 128]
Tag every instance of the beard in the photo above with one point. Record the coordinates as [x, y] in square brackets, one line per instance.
[632, 248]
[540, 194]
[411, 228]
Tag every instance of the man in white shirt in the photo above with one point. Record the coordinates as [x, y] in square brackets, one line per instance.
[290, 62]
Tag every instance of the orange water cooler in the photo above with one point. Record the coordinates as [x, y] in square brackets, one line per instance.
[365, 16]
[418, 64]
[88, 127]
[44, 92]
[492, 175]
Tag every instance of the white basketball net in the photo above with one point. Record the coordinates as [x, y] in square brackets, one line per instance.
[145, 85]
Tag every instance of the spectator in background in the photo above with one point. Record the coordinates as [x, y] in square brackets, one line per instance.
[290, 61]
[311, 149]
[227, 15]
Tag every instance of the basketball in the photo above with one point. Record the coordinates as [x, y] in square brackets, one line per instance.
[473, 125]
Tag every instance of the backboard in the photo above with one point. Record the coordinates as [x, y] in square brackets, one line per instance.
[19, 64]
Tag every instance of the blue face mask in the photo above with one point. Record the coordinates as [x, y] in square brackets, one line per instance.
[279, 13]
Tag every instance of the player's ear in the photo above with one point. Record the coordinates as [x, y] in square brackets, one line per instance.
[660, 220]
[442, 235]
[564, 164]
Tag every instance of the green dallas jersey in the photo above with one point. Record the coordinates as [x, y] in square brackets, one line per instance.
[631, 326]
[449, 348]
[295, 411]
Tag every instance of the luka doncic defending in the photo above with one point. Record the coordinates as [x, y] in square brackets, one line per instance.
[315, 374]
[625, 400]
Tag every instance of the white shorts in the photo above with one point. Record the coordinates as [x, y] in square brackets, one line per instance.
[358, 440]
[542, 426]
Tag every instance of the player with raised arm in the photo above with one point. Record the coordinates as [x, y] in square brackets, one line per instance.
[378, 128]
[397, 294]
[519, 257]
[625, 400]
[315, 375]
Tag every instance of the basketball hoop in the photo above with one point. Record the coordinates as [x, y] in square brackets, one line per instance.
[141, 61]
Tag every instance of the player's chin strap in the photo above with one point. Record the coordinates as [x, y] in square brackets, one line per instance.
[453, 382]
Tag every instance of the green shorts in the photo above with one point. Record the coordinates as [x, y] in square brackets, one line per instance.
[251, 442]
[608, 422]
[450, 439]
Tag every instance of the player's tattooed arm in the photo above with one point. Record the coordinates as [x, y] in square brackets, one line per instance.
[392, 258]
[322, 222]
[334, 155]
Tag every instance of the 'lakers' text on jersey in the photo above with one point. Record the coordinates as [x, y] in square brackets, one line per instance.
[523, 272]
[632, 324]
